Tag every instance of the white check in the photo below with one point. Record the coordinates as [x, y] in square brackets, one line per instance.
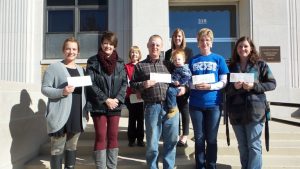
[242, 77]
[204, 78]
[133, 99]
[79, 81]
[161, 77]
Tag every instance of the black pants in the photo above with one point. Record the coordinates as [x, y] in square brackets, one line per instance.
[135, 128]
[183, 106]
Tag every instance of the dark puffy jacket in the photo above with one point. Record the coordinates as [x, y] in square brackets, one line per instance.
[246, 106]
[100, 91]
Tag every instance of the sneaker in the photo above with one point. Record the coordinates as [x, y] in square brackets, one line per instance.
[182, 141]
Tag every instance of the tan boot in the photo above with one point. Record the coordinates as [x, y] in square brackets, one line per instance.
[172, 112]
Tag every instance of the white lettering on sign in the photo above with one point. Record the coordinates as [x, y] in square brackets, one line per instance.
[202, 21]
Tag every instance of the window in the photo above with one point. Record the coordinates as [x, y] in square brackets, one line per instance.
[83, 19]
[220, 18]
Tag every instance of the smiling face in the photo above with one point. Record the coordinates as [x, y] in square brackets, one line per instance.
[205, 43]
[154, 47]
[107, 47]
[177, 39]
[244, 50]
[178, 60]
[134, 56]
[70, 51]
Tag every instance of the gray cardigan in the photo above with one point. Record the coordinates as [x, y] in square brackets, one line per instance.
[59, 106]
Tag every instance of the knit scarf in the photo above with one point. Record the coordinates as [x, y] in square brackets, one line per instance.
[108, 63]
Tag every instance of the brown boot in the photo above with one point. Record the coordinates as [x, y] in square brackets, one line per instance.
[172, 112]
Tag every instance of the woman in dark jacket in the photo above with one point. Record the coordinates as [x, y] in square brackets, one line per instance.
[105, 99]
[246, 101]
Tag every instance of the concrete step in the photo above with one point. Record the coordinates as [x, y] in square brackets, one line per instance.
[277, 147]
[86, 147]
[276, 132]
[182, 162]
[284, 150]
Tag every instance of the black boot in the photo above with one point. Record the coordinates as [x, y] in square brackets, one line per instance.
[70, 159]
[56, 161]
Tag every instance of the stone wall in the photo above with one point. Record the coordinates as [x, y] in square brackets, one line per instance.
[22, 124]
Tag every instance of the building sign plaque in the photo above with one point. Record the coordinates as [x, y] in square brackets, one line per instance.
[270, 53]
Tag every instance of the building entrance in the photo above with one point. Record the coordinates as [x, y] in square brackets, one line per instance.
[222, 19]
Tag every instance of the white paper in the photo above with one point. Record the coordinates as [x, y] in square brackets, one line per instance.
[242, 77]
[160, 77]
[204, 78]
[133, 99]
[79, 81]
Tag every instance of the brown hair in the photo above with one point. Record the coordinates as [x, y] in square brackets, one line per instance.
[71, 39]
[176, 32]
[253, 56]
[111, 37]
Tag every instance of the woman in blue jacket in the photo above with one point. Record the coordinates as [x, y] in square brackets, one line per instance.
[246, 102]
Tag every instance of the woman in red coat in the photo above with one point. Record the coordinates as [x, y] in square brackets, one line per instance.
[135, 131]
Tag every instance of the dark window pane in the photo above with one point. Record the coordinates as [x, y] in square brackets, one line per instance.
[92, 2]
[60, 2]
[61, 21]
[93, 20]
[221, 48]
[221, 19]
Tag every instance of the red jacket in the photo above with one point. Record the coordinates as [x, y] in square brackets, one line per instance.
[129, 68]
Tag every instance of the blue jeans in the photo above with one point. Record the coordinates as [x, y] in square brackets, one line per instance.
[171, 97]
[249, 144]
[206, 125]
[157, 125]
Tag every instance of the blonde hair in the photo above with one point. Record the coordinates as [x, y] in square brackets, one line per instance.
[177, 52]
[205, 31]
[135, 48]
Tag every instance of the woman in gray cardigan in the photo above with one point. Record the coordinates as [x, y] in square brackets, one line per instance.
[66, 115]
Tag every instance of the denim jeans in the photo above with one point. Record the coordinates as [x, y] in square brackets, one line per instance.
[206, 124]
[171, 97]
[249, 144]
[158, 125]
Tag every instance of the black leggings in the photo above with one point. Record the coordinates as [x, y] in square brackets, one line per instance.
[183, 106]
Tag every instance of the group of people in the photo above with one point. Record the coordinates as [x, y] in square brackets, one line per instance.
[114, 83]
